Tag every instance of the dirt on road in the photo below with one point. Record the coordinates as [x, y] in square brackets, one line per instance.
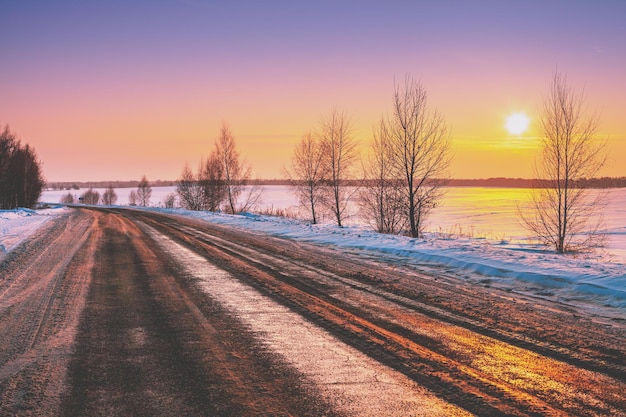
[124, 312]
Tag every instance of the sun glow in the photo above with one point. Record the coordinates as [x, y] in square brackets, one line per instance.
[517, 123]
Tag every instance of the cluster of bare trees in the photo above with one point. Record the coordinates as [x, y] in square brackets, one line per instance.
[92, 197]
[21, 179]
[402, 177]
[141, 196]
[322, 168]
[222, 180]
[408, 163]
[409, 156]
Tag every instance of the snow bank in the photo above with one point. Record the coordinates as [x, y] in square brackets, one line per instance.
[592, 279]
[17, 225]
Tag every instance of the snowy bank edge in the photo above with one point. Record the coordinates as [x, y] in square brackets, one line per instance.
[582, 279]
[19, 224]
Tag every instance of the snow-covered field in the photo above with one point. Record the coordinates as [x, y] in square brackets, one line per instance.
[473, 247]
[482, 213]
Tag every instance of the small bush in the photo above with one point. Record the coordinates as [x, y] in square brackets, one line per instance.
[170, 200]
[67, 199]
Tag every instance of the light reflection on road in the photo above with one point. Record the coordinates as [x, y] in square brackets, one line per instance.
[346, 377]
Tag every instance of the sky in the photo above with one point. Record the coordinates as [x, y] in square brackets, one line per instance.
[113, 90]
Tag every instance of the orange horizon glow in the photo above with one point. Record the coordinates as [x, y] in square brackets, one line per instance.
[151, 95]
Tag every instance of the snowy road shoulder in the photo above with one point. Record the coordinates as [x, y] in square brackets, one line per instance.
[589, 280]
[18, 225]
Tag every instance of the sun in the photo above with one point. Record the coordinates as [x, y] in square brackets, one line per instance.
[517, 123]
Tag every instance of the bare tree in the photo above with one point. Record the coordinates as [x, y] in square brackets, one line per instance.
[562, 209]
[421, 150]
[380, 198]
[169, 201]
[213, 184]
[306, 174]
[67, 198]
[144, 192]
[189, 190]
[91, 197]
[132, 198]
[109, 197]
[207, 189]
[236, 173]
[339, 155]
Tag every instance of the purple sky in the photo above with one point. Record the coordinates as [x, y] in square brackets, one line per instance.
[141, 87]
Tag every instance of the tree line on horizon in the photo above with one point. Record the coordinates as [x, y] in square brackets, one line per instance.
[406, 170]
[77, 185]
[502, 182]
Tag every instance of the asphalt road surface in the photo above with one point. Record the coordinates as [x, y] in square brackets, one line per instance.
[127, 312]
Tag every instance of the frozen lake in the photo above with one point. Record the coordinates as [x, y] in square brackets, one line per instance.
[490, 213]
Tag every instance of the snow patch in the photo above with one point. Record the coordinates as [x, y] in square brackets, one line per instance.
[17, 225]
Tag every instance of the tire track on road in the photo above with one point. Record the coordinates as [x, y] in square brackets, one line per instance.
[40, 303]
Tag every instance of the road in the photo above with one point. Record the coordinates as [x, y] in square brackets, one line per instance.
[127, 312]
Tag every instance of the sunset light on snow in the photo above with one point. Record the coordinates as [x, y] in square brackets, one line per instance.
[114, 90]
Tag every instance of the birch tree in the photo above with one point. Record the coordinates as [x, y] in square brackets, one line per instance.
[420, 145]
[189, 190]
[380, 198]
[339, 155]
[307, 175]
[212, 182]
[562, 210]
[236, 174]
[144, 192]
[132, 198]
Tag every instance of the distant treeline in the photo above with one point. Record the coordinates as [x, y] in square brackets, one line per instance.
[604, 182]
[502, 182]
[75, 185]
